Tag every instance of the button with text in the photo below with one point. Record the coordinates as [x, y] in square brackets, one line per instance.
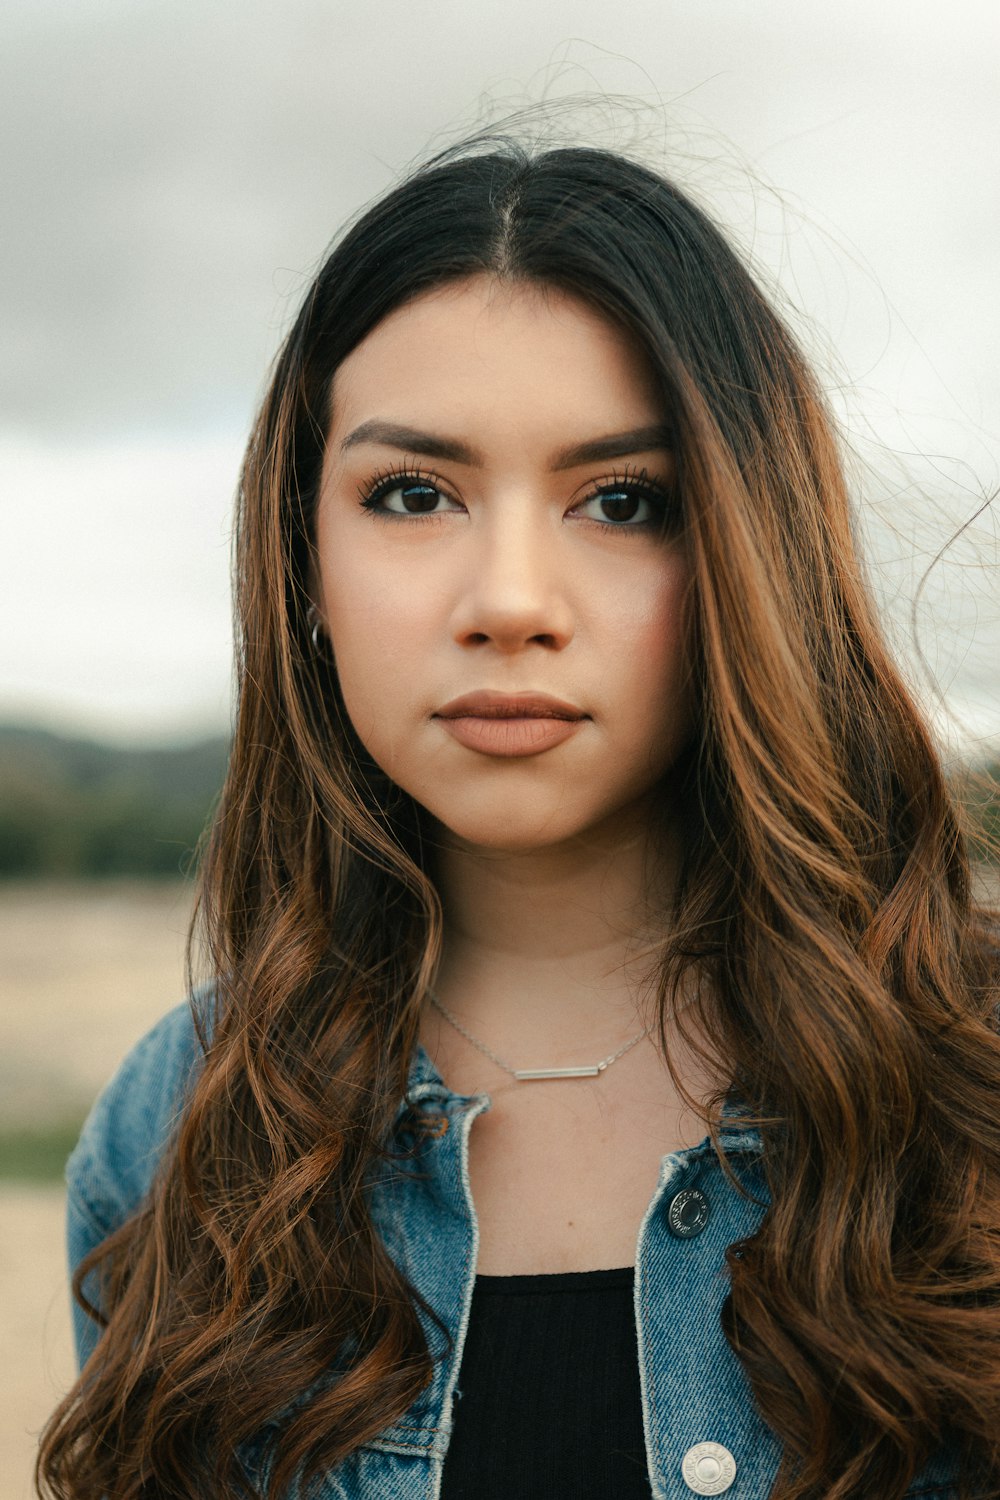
[687, 1213]
[708, 1468]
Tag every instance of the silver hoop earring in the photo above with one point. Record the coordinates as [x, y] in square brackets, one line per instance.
[312, 615]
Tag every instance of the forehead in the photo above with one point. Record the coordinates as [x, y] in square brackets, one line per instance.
[482, 349]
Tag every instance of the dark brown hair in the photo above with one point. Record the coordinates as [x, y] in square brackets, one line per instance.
[824, 909]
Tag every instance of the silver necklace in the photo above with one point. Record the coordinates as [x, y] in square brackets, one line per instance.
[530, 1075]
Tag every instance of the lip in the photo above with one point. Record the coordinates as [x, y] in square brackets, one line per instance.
[510, 724]
[487, 704]
[528, 734]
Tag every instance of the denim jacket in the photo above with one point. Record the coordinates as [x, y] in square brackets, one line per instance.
[703, 1434]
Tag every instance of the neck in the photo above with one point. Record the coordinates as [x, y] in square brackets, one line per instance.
[551, 946]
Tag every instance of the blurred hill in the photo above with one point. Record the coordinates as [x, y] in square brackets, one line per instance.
[74, 808]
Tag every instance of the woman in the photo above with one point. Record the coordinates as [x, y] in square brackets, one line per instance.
[572, 782]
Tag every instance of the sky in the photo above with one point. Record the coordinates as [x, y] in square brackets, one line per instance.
[173, 172]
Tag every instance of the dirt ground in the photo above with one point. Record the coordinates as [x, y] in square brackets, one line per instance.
[37, 1368]
[84, 972]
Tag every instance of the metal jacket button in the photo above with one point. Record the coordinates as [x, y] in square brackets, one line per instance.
[708, 1468]
[687, 1214]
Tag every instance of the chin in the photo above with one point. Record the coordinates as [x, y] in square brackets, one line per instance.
[514, 831]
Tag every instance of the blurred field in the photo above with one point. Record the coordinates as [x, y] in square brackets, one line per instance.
[84, 971]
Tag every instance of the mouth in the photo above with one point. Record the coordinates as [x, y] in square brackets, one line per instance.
[487, 704]
[510, 736]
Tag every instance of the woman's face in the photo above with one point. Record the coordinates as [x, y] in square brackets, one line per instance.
[496, 475]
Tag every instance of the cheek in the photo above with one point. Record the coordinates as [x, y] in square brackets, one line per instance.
[378, 634]
[661, 624]
[662, 657]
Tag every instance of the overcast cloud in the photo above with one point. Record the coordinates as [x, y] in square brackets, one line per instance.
[171, 174]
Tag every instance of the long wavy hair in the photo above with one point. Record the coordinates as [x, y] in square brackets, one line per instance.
[823, 915]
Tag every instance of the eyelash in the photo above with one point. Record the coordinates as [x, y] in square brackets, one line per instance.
[634, 480]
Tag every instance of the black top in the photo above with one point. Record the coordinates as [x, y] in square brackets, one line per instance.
[549, 1399]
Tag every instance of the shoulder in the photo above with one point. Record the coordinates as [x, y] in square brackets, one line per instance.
[113, 1164]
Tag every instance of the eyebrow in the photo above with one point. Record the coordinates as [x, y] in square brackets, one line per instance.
[432, 445]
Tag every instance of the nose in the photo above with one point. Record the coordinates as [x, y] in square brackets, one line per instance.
[515, 591]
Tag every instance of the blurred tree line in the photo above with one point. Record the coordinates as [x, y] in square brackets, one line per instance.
[74, 809]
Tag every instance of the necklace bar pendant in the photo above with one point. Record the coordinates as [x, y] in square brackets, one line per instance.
[528, 1074]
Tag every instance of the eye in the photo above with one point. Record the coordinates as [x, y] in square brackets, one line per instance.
[620, 502]
[402, 492]
[632, 503]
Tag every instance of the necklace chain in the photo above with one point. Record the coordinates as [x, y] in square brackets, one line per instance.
[530, 1075]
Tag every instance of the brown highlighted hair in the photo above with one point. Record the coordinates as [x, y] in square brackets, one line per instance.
[824, 910]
